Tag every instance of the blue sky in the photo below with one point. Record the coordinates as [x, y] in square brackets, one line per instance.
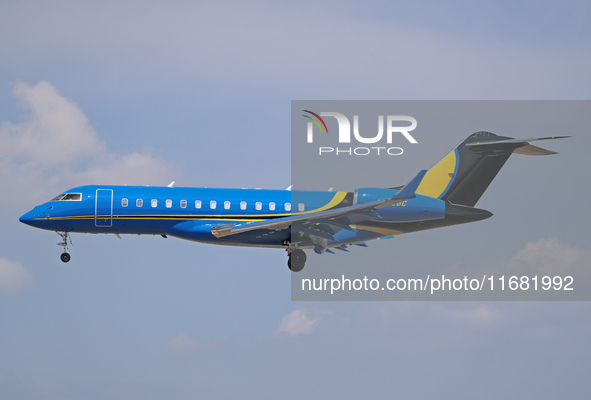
[150, 92]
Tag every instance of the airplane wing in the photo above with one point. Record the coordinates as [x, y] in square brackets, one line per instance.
[339, 218]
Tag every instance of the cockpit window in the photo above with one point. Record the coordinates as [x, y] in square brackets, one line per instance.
[68, 197]
[72, 197]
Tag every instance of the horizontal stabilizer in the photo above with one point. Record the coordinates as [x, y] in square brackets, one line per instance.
[516, 145]
[516, 140]
[531, 150]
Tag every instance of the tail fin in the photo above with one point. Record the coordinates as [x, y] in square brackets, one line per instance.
[463, 175]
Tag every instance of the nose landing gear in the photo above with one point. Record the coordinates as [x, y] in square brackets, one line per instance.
[65, 256]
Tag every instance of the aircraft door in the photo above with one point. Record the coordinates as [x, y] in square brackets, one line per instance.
[103, 211]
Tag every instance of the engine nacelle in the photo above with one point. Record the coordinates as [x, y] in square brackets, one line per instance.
[367, 195]
[418, 208]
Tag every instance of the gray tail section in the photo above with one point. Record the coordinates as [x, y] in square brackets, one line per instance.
[463, 175]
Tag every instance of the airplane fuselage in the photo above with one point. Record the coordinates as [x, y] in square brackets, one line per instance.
[191, 213]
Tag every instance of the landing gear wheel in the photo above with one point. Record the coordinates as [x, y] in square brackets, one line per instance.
[296, 260]
[65, 257]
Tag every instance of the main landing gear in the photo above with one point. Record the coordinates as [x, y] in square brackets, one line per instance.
[296, 260]
[65, 256]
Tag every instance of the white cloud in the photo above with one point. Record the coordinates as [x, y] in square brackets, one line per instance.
[182, 344]
[55, 132]
[55, 148]
[545, 257]
[550, 255]
[13, 276]
[298, 322]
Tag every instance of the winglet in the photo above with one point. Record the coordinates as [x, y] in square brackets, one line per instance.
[411, 187]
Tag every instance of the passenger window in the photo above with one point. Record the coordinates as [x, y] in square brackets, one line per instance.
[197, 203]
[227, 205]
[287, 206]
[272, 206]
[183, 203]
[301, 206]
[243, 205]
[154, 203]
[258, 205]
[124, 202]
[168, 203]
[213, 204]
[139, 203]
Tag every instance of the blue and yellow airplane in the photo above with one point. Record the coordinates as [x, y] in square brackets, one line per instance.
[293, 220]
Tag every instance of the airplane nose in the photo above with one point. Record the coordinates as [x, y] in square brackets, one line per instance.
[27, 218]
[33, 218]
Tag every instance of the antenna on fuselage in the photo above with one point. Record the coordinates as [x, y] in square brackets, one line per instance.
[171, 184]
[289, 188]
